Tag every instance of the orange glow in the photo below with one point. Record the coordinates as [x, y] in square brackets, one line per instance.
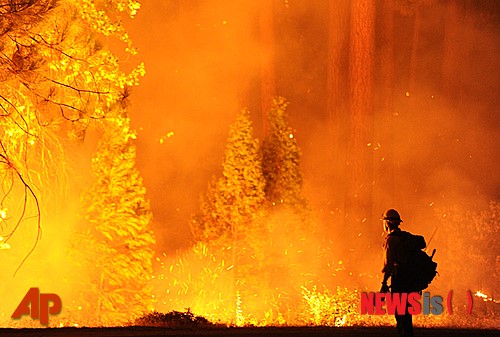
[485, 297]
[383, 109]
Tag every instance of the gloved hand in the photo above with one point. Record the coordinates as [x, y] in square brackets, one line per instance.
[384, 288]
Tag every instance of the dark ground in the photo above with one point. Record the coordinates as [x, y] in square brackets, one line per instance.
[244, 332]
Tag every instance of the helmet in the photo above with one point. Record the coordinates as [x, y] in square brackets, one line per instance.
[391, 215]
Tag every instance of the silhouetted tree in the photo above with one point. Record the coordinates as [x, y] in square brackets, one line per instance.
[281, 159]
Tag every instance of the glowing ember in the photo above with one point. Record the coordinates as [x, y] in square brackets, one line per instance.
[485, 297]
[164, 138]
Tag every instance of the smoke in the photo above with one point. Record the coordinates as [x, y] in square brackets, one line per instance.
[203, 64]
[48, 266]
[202, 60]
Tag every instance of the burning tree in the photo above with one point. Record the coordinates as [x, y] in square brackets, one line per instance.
[233, 202]
[231, 212]
[281, 168]
[56, 79]
[118, 239]
[281, 159]
[290, 225]
[250, 231]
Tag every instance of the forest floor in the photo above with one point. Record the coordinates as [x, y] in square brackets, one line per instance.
[243, 332]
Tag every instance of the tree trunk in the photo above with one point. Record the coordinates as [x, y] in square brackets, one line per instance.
[360, 147]
[338, 39]
[385, 117]
[268, 82]
[337, 77]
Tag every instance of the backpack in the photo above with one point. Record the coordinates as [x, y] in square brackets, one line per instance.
[420, 268]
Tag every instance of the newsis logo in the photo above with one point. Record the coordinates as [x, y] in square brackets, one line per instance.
[38, 306]
[396, 303]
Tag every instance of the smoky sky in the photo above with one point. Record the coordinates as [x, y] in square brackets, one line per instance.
[203, 65]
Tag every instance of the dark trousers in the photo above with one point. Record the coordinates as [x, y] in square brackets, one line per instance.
[404, 323]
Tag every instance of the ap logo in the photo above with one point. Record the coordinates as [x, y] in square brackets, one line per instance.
[42, 305]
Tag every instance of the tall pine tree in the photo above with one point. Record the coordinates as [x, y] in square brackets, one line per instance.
[290, 221]
[281, 159]
[232, 203]
[57, 78]
[230, 219]
[119, 236]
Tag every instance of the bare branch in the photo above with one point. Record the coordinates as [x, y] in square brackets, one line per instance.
[79, 90]
[28, 191]
[20, 115]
